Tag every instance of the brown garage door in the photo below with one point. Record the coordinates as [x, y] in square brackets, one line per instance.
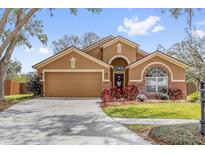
[73, 84]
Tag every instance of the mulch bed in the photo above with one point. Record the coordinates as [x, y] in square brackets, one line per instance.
[182, 134]
[136, 102]
[6, 105]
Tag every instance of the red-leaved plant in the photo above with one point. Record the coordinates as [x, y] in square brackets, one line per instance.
[106, 96]
[130, 92]
[175, 93]
[117, 94]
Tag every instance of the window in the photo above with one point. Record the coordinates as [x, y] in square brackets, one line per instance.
[156, 80]
[119, 68]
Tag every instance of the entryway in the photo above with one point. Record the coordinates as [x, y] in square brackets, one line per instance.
[119, 80]
[119, 74]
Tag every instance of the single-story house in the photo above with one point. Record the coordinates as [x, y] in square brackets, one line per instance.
[112, 61]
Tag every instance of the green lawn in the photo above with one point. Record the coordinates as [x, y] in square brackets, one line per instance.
[18, 97]
[156, 110]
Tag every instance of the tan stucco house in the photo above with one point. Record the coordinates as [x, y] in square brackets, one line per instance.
[112, 61]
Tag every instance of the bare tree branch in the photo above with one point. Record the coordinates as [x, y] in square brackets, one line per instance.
[16, 29]
[4, 20]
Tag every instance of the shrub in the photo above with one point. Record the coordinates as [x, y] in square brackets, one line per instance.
[106, 96]
[113, 94]
[141, 97]
[35, 86]
[116, 92]
[163, 96]
[130, 92]
[175, 93]
[194, 97]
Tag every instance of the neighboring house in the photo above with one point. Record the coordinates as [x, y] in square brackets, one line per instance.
[112, 61]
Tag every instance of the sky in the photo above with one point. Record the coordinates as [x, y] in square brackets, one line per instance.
[146, 27]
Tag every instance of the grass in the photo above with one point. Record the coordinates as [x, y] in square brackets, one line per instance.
[14, 99]
[18, 97]
[155, 110]
[182, 134]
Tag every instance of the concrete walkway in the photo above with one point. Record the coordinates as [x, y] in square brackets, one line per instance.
[154, 121]
[62, 121]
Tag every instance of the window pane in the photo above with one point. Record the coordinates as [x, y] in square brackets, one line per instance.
[156, 72]
[162, 81]
[162, 89]
[151, 72]
[151, 81]
[151, 88]
[160, 72]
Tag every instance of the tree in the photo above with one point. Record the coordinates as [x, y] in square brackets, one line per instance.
[74, 40]
[16, 26]
[14, 72]
[89, 38]
[65, 42]
[14, 69]
[178, 12]
[192, 52]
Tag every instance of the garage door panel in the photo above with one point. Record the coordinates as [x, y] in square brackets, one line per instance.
[73, 84]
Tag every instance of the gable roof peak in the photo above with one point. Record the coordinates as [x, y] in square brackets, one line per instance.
[161, 55]
[119, 38]
[65, 52]
[99, 42]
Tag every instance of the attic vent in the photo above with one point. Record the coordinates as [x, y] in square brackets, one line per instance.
[72, 62]
[119, 48]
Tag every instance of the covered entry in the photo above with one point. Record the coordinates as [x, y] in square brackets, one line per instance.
[119, 75]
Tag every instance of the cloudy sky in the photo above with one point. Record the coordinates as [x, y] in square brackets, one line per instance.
[147, 27]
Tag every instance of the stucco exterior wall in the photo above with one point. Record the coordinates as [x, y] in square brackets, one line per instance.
[142, 84]
[81, 63]
[96, 52]
[127, 51]
[177, 72]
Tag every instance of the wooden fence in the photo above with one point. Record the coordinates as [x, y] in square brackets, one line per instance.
[13, 88]
[191, 87]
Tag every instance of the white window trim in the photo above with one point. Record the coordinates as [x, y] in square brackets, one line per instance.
[156, 85]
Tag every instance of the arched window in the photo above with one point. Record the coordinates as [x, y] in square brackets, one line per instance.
[156, 80]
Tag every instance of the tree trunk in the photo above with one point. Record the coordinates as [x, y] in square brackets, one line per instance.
[3, 69]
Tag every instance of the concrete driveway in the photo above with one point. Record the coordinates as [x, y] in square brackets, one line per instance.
[62, 121]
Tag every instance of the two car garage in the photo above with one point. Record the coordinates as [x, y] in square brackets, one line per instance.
[73, 73]
[73, 84]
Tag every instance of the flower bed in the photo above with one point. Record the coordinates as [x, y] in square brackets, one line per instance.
[119, 95]
[130, 95]
[137, 102]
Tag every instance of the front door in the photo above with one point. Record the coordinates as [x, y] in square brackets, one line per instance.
[119, 80]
